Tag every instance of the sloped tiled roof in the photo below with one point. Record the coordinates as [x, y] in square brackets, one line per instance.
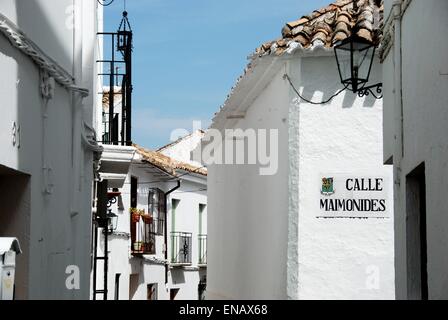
[330, 24]
[166, 163]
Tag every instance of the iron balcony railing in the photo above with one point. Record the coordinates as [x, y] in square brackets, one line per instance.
[110, 137]
[145, 231]
[202, 240]
[181, 248]
[115, 74]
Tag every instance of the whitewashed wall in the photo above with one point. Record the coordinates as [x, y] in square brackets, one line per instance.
[424, 86]
[182, 148]
[264, 239]
[338, 257]
[247, 224]
[58, 224]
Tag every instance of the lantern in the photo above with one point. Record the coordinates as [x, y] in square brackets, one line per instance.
[354, 57]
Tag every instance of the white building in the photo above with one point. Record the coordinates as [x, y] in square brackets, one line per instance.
[415, 78]
[276, 233]
[47, 88]
[172, 195]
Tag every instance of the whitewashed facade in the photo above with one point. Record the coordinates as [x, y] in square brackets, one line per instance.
[48, 88]
[269, 237]
[156, 273]
[415, 77]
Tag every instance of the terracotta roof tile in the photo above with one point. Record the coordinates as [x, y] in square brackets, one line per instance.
[330, 24]
[166, 163]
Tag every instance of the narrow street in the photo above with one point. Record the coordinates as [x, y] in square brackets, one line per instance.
[218, 151]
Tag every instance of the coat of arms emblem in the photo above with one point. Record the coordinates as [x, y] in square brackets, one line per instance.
[327, 187]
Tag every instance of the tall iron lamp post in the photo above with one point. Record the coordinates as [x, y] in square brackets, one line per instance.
[354, 57]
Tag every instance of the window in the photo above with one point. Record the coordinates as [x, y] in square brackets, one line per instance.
[152, 291]
[174, 205]
[134, 185]
[202, 221]
[157, 209]
[202, 236]
[416, 246]
[143, 238]
[146, 225]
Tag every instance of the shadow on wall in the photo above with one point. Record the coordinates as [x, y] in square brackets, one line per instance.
[136, 278]
[177, 276]
[330, 81]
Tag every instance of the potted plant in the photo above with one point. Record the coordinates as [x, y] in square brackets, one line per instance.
[138, 246]
[135, 215]
[147, 219]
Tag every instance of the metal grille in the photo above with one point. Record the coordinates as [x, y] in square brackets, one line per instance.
[181, 247]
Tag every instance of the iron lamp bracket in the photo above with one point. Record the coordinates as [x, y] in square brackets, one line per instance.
[375, 90]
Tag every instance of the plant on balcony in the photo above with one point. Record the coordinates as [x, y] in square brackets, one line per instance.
[138, 246]
[136, 214]
[147, 219]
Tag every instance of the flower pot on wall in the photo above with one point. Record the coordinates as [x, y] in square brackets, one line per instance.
[147, 219]
[135, 217]
[138, 246]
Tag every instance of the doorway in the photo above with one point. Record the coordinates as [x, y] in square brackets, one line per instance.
[416, 240]
[173, 293]
[15, 215]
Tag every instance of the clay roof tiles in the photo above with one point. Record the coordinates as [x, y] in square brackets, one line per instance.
[330, 24]
[166, 163]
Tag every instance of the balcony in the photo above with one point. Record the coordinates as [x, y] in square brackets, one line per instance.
[116, 78]
[143, 233]
[115, 162]
[202, 240]
[180, 248]
[110, 137]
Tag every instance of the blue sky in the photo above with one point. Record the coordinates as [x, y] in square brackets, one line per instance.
[189, 53]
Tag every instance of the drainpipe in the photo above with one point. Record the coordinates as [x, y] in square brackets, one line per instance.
[166, 230]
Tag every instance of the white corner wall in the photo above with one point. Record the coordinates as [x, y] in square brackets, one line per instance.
[339, 258]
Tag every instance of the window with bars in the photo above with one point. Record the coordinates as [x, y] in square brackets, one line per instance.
[157, 209]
